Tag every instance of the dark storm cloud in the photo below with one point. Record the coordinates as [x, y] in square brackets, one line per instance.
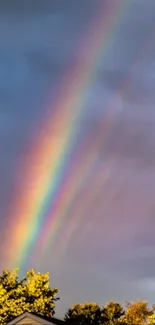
[40, 62]
[53, 19]
[36, 7]
[128, 72]
[36, 42]
[134, 136]
[138, 266]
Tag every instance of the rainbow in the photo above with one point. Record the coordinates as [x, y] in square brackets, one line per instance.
[53, 176]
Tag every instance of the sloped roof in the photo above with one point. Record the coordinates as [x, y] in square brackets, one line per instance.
[42, 319]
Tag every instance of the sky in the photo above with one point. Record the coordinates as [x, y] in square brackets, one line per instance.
[104, 247]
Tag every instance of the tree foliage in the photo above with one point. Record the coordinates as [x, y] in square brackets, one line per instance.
[151, 319]
[112, 313]
[32, 294]
[137, 313]
[91, 313]
[86, 313]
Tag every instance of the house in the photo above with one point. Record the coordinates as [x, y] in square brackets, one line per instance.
[35, 319]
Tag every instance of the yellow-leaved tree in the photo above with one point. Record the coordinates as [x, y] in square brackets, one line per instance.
[88, 313]
[151, 319]
[32, 294]
[112, 313]
[137, 313]
[91, 314]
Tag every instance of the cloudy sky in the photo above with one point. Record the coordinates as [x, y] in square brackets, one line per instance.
[110, 255]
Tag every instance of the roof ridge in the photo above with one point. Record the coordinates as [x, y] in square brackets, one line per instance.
[45, 320]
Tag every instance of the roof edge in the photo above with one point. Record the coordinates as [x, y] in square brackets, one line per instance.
[32, 316]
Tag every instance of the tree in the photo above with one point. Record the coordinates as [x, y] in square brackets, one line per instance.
[32, 294]
[86, 313]
[151, 319]
[112, 313]
[137, 313]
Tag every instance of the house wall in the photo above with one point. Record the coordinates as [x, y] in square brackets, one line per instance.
[28, 321]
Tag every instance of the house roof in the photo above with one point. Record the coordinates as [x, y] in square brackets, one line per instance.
[42, 319]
